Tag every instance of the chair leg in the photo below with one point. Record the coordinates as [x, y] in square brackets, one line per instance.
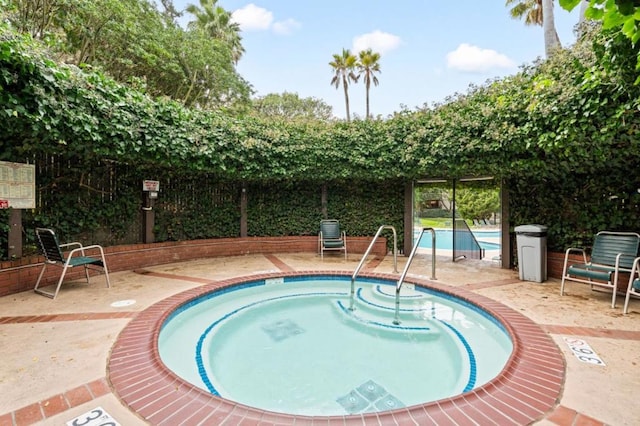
[44, 267]
[626, 303]
[86, 273]
[64, 271]
[47, 293]
[106, 273]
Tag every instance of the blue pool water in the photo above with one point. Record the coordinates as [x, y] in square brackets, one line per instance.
[291, 345]
[444, 239]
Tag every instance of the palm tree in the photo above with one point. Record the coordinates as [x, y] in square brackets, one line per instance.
[534, 12]
[529, 10]
[551, 39]
[344, 66]
[218, 23]
[368, 65]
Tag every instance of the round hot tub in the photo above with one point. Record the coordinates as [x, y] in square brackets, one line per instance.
[285, 348]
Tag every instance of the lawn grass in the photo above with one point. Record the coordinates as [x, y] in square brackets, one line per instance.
[439, 223]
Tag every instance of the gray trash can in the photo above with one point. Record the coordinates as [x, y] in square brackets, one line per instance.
[532, 252]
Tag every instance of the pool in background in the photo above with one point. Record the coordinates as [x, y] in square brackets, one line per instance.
[444, 239]
[290, 345]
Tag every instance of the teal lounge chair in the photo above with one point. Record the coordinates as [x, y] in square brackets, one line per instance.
[331, 237]
[612, 253]
[634, 284]
[53, 255]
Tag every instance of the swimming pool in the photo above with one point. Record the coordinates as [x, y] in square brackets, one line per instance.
[292, 346]
[444, 239]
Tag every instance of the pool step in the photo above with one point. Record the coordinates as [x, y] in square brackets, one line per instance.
[387, 294]
[381, 322]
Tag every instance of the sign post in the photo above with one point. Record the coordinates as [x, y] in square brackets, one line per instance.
[17, 191]
[150, 189]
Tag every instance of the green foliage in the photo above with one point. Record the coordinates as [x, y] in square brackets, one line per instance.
[194, 207]
[477, 203]
[290, 106]
[562, 134]
[619, 15]
[284, 208]
[363, 206]
[131, 41]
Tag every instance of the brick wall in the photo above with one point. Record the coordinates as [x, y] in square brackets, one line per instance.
[21, 275]
[555, 263]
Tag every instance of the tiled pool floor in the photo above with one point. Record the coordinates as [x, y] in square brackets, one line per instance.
[54, 354]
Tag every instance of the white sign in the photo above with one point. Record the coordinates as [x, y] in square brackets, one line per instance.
[583, 351]
[17, 185]
[95, 417]
[151, 185]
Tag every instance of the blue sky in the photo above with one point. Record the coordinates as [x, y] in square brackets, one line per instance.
[429, 49]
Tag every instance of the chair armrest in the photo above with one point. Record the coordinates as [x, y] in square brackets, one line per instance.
[575, 250]
[566, 258]
[82, 249]
[75, 243]
[635, 269]
[619, 256]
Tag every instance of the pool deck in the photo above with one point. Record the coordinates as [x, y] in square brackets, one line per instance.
[55, 354]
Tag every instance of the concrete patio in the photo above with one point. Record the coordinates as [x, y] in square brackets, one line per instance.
[54, 352]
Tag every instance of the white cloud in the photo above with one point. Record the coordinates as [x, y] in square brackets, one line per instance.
[253, 18]
[469, 58]
[377, 41]
[286, 27]
[256, 18]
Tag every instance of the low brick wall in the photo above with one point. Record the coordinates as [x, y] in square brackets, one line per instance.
[21, 275]
[555, 263]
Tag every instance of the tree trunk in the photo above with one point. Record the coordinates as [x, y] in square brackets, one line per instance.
[368, 86]
[551, 39]
[345, 85]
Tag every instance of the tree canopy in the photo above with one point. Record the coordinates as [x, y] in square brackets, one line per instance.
[136, 44]
[291, 106]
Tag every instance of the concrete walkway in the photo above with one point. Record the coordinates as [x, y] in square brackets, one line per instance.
[54, 353]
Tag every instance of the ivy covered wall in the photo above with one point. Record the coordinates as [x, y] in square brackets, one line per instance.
[562, 134]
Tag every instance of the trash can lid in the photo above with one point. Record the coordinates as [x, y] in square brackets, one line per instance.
[530, 228]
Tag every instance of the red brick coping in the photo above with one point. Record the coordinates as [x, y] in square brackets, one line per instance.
[525, 391]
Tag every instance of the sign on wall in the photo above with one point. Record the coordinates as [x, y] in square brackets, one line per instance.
[150, 185]
[17, 185]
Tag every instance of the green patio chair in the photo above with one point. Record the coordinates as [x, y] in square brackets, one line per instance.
[52, 251]
[612, 253]
[331, 237]
[634, 284]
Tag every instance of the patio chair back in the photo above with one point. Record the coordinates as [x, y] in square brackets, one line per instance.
[49, 245]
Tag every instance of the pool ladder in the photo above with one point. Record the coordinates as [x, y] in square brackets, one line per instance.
[395, 260]
[395, 264]
[396, 319]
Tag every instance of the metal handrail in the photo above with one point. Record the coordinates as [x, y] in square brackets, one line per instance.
[395, 260]
[396, 319]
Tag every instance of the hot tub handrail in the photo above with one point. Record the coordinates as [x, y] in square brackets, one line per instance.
[396, 319]
[395, 260]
